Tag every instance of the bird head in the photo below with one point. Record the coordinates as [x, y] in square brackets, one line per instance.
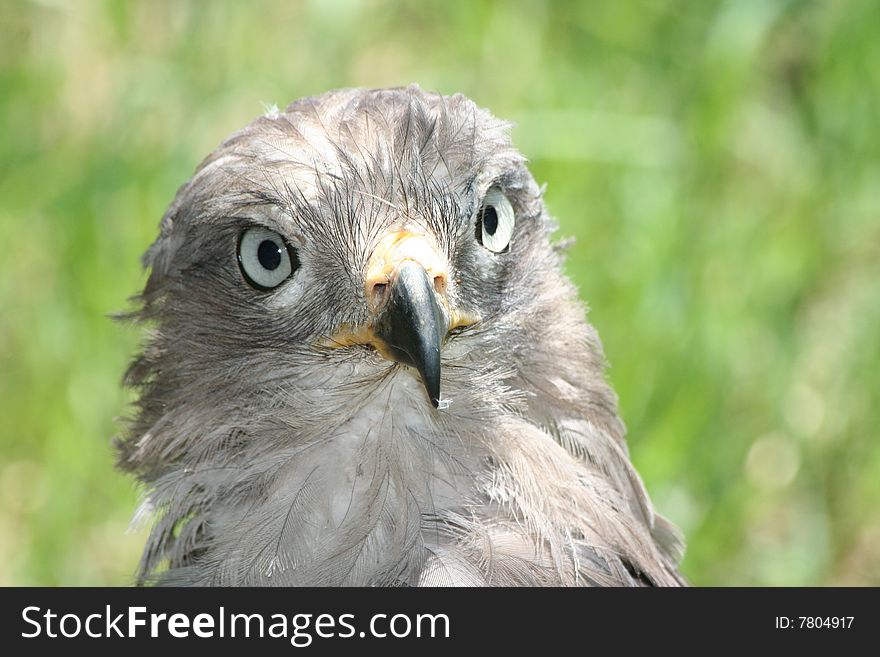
[397, 230]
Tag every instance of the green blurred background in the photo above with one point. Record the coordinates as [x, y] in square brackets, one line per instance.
[718, 162]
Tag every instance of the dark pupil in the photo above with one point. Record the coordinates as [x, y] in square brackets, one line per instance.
[269, 254]
[490, 220]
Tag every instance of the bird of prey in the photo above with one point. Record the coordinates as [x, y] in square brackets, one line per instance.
[364, 366]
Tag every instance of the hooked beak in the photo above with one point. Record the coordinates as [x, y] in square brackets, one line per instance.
[405, 286]
[412, 325]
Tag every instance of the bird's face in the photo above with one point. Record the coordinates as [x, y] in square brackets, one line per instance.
[357, 239]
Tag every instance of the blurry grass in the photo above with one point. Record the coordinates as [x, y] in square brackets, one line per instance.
[719, 163]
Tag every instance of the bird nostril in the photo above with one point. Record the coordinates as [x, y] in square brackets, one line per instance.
[377, 293]
[440, 284]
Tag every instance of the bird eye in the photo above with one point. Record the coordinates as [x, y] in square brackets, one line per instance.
[495, 222]
[265, 259]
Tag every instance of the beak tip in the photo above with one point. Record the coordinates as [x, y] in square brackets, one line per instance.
[434, 395]
[431, 381]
